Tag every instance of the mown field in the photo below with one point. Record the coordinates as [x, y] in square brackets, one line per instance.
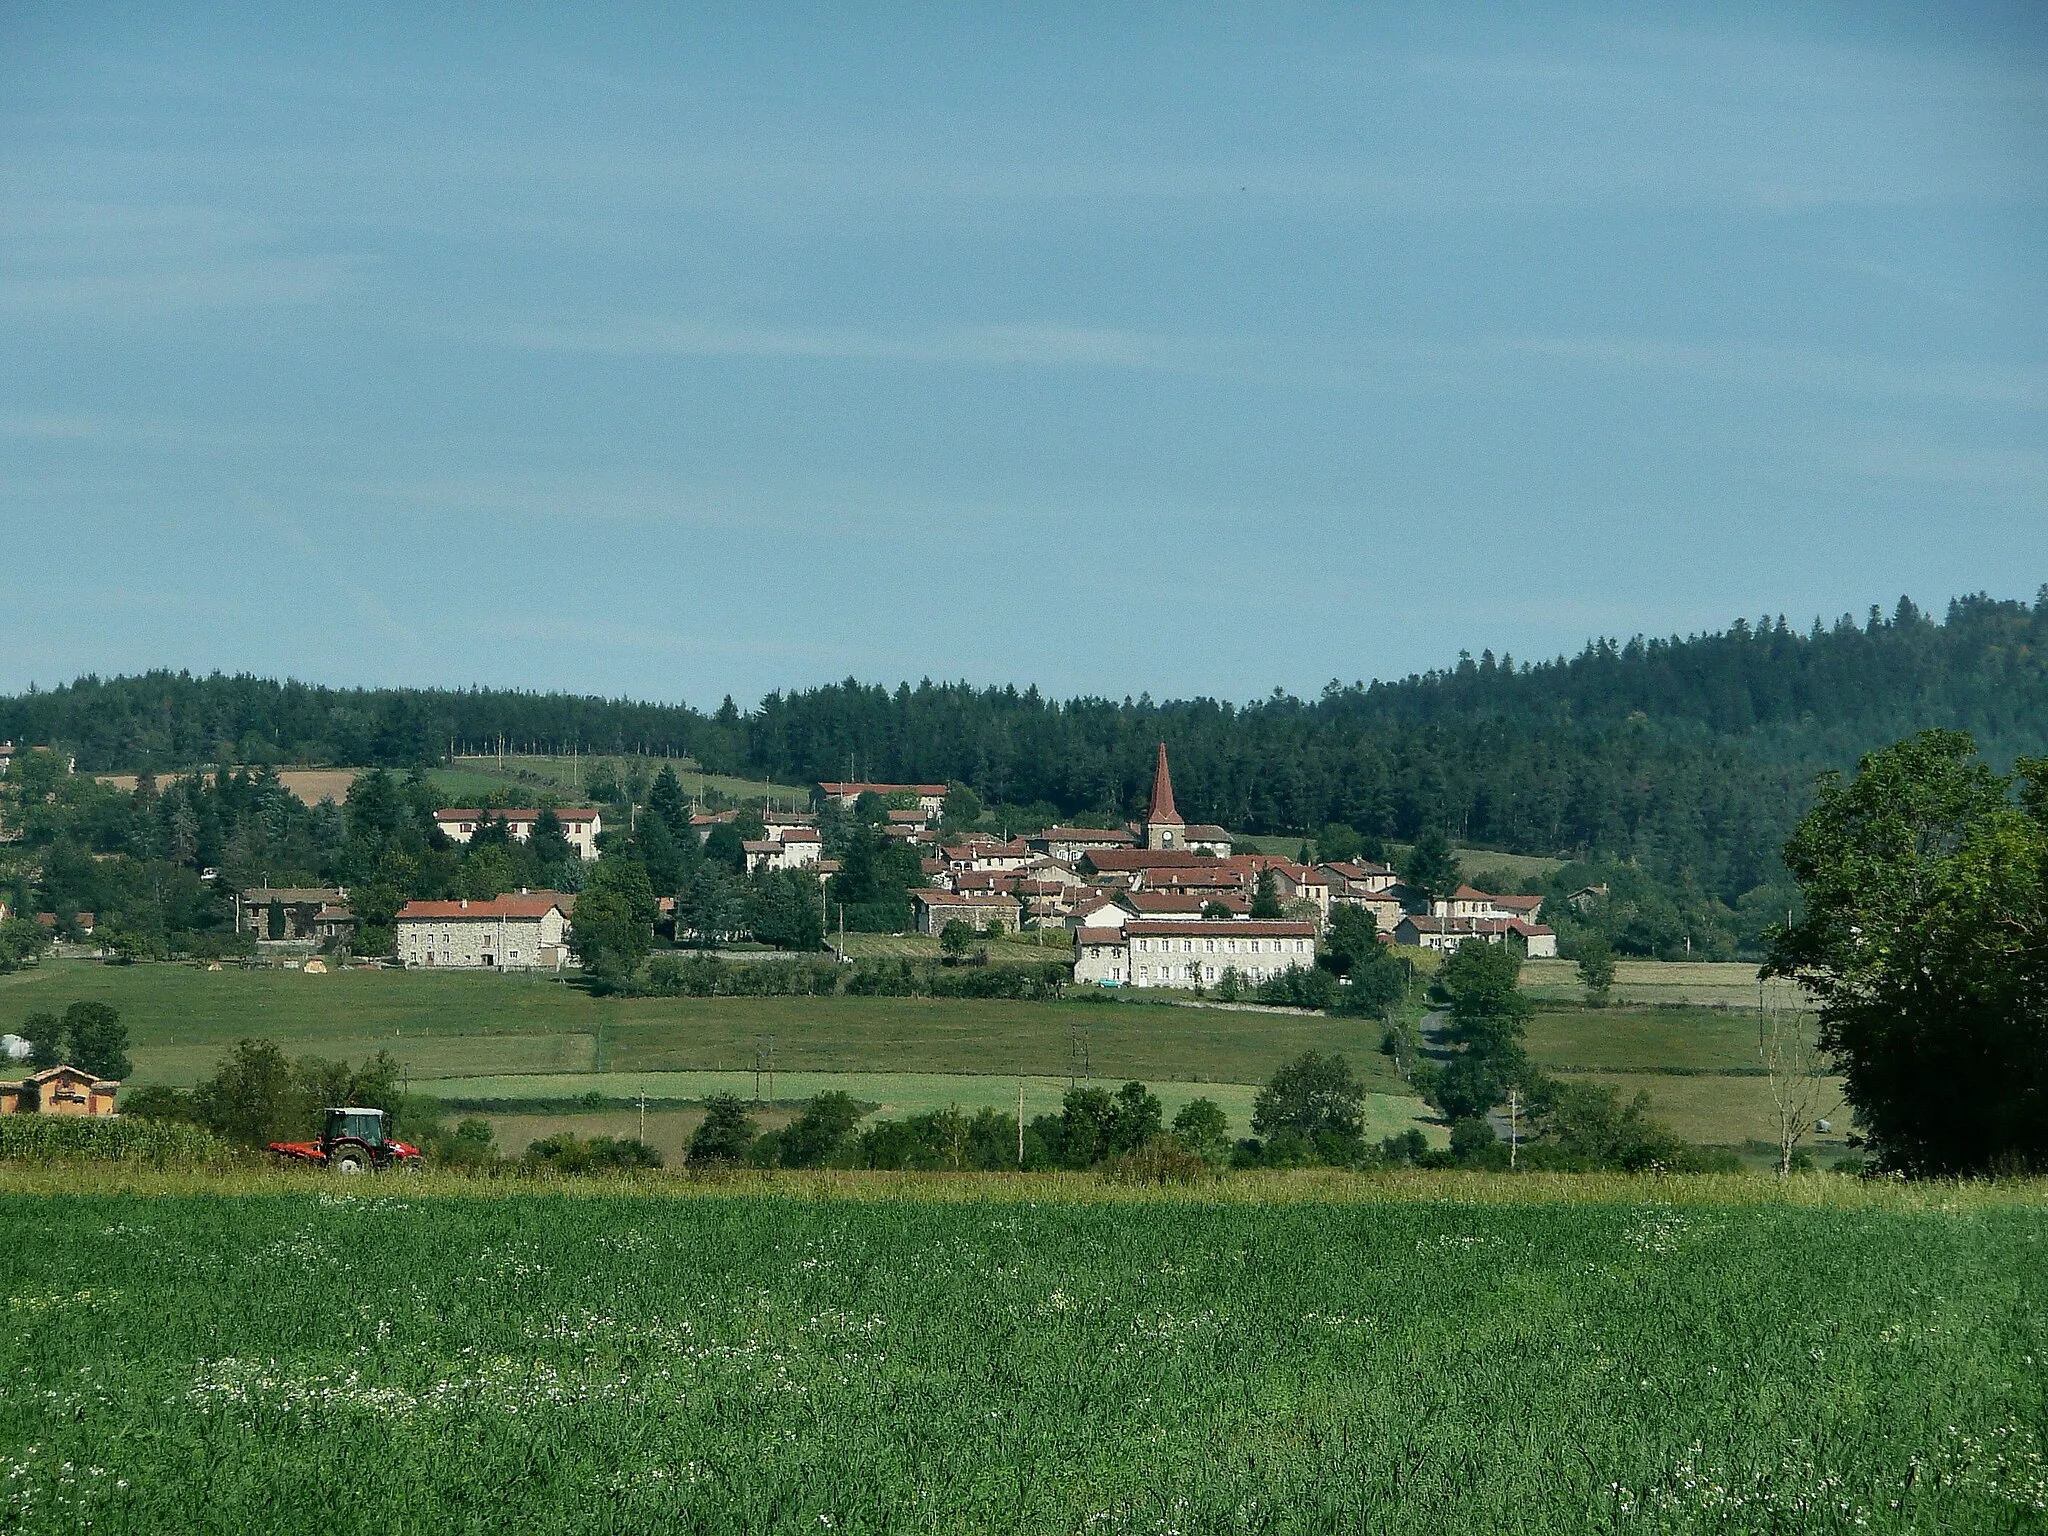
[389, 1361]
[452, 1025]
[564, 777]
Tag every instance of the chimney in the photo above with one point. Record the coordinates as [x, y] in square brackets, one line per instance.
[465, 903]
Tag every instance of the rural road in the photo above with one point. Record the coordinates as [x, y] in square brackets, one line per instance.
[1436, 1027]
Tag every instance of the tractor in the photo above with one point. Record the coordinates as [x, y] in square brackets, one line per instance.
[352, 1141]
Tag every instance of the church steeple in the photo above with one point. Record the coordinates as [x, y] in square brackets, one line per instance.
[1163, 826]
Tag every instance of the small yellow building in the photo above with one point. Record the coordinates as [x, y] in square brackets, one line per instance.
[60, 1090]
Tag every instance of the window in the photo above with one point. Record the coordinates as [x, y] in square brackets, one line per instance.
[1209, 946]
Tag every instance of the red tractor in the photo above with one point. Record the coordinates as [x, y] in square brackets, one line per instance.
[352, 1141]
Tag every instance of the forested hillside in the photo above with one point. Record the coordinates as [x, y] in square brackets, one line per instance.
[1690, 757]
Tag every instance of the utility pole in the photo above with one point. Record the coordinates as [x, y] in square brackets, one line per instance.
[643, 1115]
[771, 1071]
[1514, 1131]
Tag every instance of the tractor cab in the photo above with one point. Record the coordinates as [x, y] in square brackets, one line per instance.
[351, 1141]
[364, 1125]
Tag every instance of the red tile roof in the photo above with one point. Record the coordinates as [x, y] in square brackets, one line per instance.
[536, 904]
[478, 814]
[1162, 793]
[1250, 930]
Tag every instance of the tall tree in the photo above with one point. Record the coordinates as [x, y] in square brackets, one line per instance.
[1925, 940]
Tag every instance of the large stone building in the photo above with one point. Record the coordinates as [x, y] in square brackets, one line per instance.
[525, 932]
[1447, 933]
[580, 826]
[1189, 954]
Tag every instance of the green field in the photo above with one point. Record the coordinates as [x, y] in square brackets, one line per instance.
[1033, 948]
[564, 777]
[449, 1026]
[1701, 983]
[394, 1362]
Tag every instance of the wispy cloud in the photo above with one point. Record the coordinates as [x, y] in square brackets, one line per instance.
[1030, 345]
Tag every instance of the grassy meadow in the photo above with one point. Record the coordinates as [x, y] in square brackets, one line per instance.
[563, 777]
[512, 1038]
[1322, 1355]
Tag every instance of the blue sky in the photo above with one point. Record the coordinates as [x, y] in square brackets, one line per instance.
[632, 351]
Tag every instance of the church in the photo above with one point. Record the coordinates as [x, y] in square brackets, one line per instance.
[1163, 831]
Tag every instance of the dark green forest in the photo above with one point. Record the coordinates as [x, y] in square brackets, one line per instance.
[1675, 765]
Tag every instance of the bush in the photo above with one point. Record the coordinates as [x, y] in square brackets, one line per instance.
[1165, 1159]
[566, 1152]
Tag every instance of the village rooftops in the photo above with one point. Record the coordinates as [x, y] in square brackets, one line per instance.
[1088, 837]
[1129, 860]
[294, 895]
[1146, 903]
[1479, 927]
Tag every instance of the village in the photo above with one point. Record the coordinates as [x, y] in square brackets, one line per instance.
[1162, 902]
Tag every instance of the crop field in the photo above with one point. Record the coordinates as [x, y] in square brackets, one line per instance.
[398, 1361]
[1701, 983]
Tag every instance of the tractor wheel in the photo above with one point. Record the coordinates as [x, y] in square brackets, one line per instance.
[349, 1160]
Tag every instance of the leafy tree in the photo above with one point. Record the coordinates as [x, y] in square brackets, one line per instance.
[1216, 911]
[1925, 940]
[725, 1134]
[22, 943]
[1596, 969]
[711, 906]
[1266, 898]
[963, 807]
[782, 909]
[817, 1135]
[273, 920]
[606, 936]
[726, 847]
[1489, 1013]
[252, 1097]
[44, 1033]
[1432, 867]
[1135, 1118]
[98, 1040]
[956, 938]
[1311, 1095]
[1588, 1126]
[1204, 1128]
[487, 871]
[1353, 940]
[1337, 843]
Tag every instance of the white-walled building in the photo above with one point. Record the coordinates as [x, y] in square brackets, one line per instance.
[1183, 954]
[785, 848]
[526, 932]
[1447, 933]
[579, 826]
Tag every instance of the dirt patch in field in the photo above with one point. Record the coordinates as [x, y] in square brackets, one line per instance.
[311, 785]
